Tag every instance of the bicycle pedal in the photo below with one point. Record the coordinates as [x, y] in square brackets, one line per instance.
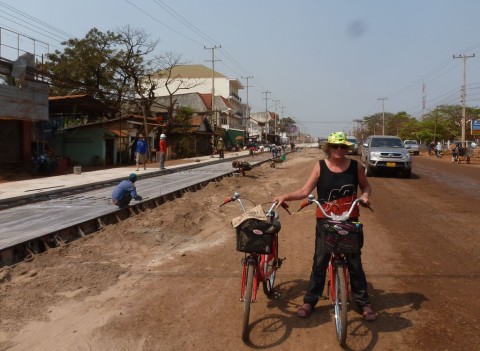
[280, 261]
[277, 295]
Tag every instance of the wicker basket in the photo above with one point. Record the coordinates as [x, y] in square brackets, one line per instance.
[255, 236]
[342, 237]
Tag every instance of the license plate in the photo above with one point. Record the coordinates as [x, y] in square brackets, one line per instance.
[391, 164]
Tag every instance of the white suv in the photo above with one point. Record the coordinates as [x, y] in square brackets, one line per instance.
[411, 146]
[386, 153]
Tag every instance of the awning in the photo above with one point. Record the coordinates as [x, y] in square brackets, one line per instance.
[231, 136]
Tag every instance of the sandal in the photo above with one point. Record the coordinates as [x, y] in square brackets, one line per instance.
[368, 313]
[305, 311]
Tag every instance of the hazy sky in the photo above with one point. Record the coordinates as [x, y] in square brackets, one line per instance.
[327, 62]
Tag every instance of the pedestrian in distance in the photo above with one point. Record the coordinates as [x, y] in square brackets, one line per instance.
[251, 150]
[162, 147]
[141, 152]
[125, 191]
[242, 166]
[221, 148]
[454, 151]
[337, 179]
[438, 149]
[273, 150]
[212, 142]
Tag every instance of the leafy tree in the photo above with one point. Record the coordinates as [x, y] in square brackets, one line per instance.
[85, 66]
[114, 67]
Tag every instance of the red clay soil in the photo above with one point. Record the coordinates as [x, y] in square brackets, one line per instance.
[169, 278]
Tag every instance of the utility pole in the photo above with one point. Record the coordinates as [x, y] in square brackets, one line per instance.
[424, 99]
[383, 114]
[276, 102]
[213, 80]
[283, 109]
[464, 92]
[248, 106]
[266, 107]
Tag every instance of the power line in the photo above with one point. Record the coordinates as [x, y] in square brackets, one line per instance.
[183, 20]
[62, 32]
[162, 23]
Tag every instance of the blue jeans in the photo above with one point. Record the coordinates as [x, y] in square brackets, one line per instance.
[358, 280]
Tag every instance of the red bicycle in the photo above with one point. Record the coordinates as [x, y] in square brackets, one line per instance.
[257, 237]
[342, 236]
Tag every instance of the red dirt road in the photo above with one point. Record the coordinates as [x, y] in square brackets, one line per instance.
[169, 279]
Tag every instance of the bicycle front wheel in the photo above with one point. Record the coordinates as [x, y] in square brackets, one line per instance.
[247, 299]
[340, 304]
[269, 269]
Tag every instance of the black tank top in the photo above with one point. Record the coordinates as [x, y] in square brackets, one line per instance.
[337, 190]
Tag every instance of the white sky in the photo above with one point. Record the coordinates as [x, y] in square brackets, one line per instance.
[327, 61]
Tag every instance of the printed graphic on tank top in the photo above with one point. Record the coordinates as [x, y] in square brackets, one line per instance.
[337, 191]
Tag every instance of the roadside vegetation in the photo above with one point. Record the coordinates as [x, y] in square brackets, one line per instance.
[442, 123]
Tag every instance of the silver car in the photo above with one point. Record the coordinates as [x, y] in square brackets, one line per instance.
[386, 153]
[412, 146]
[353, 149]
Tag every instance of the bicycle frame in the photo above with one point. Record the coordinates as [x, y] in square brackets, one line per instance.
[262, 271]
[264, 267]
[337, 269]
[257, 267]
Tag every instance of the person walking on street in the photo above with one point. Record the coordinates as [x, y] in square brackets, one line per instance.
[125, 191]
[162, 147]
[438, 150]
[337, 179]
[221, 147]
[141, 152]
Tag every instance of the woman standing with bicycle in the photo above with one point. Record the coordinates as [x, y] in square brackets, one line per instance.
[337, 179]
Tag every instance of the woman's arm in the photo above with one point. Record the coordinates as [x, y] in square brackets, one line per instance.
[304, 191]
[364, 184]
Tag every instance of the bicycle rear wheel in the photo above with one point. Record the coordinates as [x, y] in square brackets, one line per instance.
[269, 269]
[340, 303]
[247, 299]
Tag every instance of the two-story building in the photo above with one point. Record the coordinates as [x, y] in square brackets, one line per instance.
[192, 86]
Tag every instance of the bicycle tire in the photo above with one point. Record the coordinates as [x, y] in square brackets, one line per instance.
[270, 266]
[340, 304]
[247, 300]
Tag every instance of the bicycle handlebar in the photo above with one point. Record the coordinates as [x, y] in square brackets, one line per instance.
[237, 197]
[342, 217]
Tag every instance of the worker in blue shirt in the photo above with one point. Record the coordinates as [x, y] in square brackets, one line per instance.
[141, 151]
[125, 191]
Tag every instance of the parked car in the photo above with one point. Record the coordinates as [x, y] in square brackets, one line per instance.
[386, 153]
[412, 146]
[353, 149]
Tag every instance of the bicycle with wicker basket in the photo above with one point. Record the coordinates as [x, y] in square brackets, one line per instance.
[257, 237]
[342, 236]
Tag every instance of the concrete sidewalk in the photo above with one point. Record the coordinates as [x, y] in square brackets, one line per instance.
[35, 188]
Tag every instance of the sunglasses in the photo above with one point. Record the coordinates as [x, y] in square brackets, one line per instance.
[339, 146]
